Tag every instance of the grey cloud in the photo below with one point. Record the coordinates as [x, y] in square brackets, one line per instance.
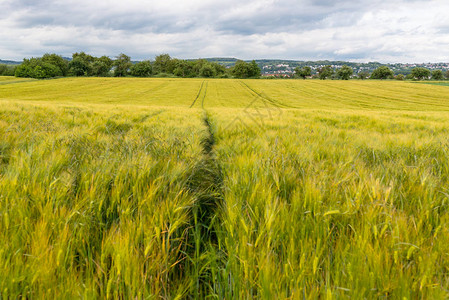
[296, 29]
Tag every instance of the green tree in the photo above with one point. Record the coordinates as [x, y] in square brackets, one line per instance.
[207, 71]
[85, 57]
[184, 68]
[79, 67]
[82, 65]
[254, 70]
[409, 77]
[197, 65]
[122, 65]
[7, 70]
[363, 75]
[446, 74]
[325, 72]
[46, 70]
[303, 72]
[240, 69]
[243, 69]
[24, 70]
[219, 69]
[57, 61]
[142, 69]
[400, 77]
[162, 64]
[3, 69]
[37, 68]
[179, 71]
[420, 73]
[345, 72]
[101, 66]
[437, 75]
[383, 72]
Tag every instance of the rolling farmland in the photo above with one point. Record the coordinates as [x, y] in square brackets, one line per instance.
[187, 188]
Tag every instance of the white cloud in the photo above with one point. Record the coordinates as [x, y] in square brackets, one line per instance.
[394, 31]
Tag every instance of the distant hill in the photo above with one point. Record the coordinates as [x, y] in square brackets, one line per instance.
[225, 61]
[9, 62]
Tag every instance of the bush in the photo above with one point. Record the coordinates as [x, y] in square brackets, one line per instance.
[363, 75]
[382, 73]
[345, 72]
[7, 70]
[163, 75]
[24, 71]
[325, 72]
[142, 69]
[207, 71]
[56, 60]
[37, 68]
[437, 75]
[245, 70]
[421, 73]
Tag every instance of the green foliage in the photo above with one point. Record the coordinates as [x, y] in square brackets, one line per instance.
[383, 72]
[163, 64]
[363, 75]
[245, 70]
[345, 72]
[7, 70]
[420, 73]
[87, 58]
[219, 69]
[409, 77]
[101, 66]
[446, 74]
[3, 69]
[83, 64]
[37, 68]
[24, 70]
[142, 69]
[122, 64]
[207, 70]
[400, 77]
[57, 61]
[303, 72]
[437, 75]
[46, 70]
[79, 66]
[325, 72]
[184, 68]
[179, 71]
[254, 69]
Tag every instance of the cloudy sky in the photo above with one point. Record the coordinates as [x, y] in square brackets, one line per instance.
[364, 30]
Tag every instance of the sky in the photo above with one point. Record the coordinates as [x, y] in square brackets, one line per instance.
[365, 30]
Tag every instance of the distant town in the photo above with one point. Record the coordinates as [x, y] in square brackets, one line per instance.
[287, 69]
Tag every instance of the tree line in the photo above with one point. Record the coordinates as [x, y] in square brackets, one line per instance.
[382, 72]
[82, 64]
[7, 70]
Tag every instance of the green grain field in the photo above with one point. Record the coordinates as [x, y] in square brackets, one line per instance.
[126, 188]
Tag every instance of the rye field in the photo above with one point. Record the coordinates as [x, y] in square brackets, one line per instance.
[223, 189]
